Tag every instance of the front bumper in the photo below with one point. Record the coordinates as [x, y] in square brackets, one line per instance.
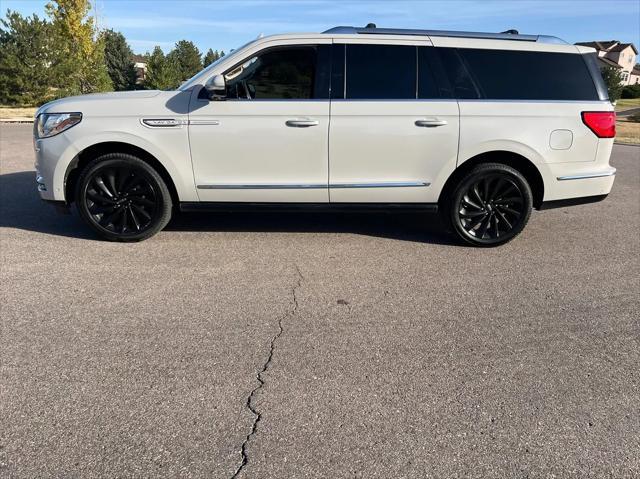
[51, 156]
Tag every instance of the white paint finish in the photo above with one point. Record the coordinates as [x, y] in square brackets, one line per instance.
[252, 144]
[116, 117]
[561, 139]
[525, 128]
[370, 142]
[489, 44]
[378, 141]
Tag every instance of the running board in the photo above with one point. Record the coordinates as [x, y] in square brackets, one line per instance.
[191, 206]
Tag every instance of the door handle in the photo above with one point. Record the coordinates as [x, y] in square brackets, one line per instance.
[431, 123]
[301, 123]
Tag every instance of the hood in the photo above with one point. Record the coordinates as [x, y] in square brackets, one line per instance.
[78, 103]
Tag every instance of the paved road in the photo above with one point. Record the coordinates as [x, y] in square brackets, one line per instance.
[340, 346]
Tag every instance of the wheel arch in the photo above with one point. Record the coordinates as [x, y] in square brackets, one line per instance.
[525, 166]
[82, 159]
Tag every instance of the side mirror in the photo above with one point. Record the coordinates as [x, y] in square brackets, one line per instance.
[216, 88]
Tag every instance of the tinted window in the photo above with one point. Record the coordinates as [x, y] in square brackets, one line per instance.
[432, 81]
[461, 83]
[286, 74]
[337, 71]
[379, 72]
[520, 75]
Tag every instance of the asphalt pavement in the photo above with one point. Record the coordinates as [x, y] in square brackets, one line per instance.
[298, 345]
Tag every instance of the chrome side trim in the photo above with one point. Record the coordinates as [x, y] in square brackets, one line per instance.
[204, 122]
[261, 187]
[584, 176]
[387, 184]
[163, 122]
[391, 184]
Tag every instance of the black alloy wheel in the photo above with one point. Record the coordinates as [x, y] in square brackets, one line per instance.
[491, 205]
[123, 198]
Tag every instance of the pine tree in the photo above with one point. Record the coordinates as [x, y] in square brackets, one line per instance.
[25, 60]
[613, 79]
[80, 64]
[118, 58]
[161, 72]
[186, 58]
[210, 57]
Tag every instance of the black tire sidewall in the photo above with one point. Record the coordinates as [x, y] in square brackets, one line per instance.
[122, 159]
[470, 178]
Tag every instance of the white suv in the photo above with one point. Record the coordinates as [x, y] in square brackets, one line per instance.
[480, 126]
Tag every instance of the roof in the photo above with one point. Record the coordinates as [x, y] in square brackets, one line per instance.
[371, 29]
[621, 46]
[139, 58]
[609, 46]
[635, 71]
[609, 63]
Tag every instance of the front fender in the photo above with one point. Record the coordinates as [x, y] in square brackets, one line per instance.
[172, 151]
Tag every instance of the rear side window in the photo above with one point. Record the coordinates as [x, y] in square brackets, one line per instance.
[381, 72]
[523, 75]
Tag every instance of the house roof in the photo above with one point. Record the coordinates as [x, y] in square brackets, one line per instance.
[139, 58]
[609, 63]
[621, 46]
[609, 46]
[636, 72]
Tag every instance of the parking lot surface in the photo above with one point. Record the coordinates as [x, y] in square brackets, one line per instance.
[318, 345]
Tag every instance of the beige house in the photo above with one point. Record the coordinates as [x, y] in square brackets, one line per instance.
[618, 55]
[140, 65]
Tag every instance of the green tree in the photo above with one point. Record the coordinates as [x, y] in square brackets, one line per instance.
[25, 60]
[161, 72]
[210, 57]
[186, 58]
[613, 79]
[118, 58]
[81, 64]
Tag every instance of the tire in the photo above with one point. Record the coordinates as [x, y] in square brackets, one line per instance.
[122, 198]
[490, 205]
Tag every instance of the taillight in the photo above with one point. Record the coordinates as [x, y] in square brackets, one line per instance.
[602, 123]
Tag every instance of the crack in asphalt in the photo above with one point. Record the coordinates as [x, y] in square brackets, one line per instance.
[250, 399]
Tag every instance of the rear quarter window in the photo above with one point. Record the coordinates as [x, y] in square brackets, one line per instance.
[525, 75]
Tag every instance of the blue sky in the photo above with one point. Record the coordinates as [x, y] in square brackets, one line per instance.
[223, 25]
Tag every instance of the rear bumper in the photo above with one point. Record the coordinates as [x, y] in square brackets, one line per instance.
[565, 182]
[583, 200]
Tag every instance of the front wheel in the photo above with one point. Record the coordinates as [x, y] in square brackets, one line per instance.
[123, 198]
[490, 205]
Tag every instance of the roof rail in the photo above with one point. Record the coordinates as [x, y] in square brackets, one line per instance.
[508, 35]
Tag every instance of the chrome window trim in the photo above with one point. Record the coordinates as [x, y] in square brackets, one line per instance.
[583, 176]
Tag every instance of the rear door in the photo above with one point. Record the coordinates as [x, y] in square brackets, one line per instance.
[393, 139]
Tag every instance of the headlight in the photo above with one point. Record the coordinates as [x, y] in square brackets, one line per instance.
[50, 124]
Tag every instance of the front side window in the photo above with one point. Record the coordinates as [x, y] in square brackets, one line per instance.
[381, 72]
[279, 74]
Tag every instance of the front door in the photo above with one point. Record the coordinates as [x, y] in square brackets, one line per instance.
[393, 137]
[268, 141]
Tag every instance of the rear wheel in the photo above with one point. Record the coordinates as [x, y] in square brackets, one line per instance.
[123, 198]
[490, 205]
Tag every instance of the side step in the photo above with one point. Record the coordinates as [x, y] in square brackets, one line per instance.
[192, 206]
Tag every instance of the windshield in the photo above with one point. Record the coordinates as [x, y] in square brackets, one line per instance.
[197, 78]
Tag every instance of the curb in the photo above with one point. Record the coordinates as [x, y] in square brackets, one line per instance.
[625, 144]
[16, 120]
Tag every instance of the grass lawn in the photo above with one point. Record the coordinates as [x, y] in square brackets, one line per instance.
[628, 132]
[12, 113]
[626, 104]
